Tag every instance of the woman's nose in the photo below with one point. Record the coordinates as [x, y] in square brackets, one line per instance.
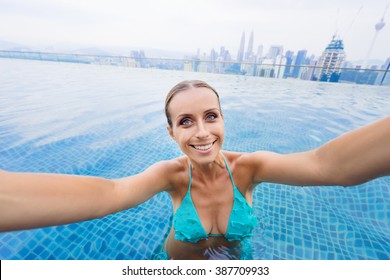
[202, 131]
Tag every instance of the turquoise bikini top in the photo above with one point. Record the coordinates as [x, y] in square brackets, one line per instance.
[188, 226]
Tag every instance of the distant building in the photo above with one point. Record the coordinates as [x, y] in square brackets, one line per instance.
[280, 66]
[289, 61]
[330, 62]
[139, 57]
[240, 55]
[203, 67]
[259, 53]
[223, 53]
[274, 51]
[299, 60]
[266, 68]
[129, 62]
[249, 52]
[309, 71]
[384, 77]
[188, 67]
[247, 69]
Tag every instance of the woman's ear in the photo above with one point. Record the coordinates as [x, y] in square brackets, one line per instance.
[170, 131]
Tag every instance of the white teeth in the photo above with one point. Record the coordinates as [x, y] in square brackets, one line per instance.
[204, 148]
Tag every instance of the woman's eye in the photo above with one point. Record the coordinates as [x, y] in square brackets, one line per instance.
[211, 117]
[185, 122]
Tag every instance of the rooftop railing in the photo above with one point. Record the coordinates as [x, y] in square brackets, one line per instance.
[331, 73]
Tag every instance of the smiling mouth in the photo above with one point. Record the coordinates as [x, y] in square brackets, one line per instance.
[203, 147]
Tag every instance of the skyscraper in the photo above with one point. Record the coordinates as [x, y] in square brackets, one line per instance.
[259, 53]
[280, 66]
[330, 61]
[249, 52]
[384, 77]
[274, 51]
[300, 59]
[240, 55]
[289, 60]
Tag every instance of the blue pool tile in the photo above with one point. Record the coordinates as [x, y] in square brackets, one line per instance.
[32, 256]
[358, 243]
[5, 253]
[380, 255]
[330, 256]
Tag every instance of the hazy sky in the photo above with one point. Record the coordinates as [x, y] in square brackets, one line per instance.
[190, 24]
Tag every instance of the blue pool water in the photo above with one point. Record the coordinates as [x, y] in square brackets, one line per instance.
[108, 121]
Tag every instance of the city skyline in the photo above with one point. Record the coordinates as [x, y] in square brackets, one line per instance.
[186, 26]
[331, 66]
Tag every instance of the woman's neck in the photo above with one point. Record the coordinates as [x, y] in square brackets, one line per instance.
[208, 171]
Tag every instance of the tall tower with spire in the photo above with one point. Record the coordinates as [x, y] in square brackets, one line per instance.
[240, 55]
[249, 52]
[378, 27]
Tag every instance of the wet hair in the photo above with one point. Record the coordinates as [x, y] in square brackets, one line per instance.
[182, 86]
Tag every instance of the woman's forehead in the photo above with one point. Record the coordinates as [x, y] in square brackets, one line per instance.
[194, 98]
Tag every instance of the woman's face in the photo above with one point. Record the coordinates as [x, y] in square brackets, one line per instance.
[197, 124]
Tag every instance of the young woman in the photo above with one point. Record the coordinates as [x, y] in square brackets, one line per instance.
[211, 189]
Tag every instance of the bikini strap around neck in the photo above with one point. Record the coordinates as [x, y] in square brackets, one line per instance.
[228, 168]
[190, 181]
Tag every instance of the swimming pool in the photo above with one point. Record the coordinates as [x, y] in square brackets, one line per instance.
[108, 121]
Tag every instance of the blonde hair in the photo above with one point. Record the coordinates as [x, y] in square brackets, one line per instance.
[185, 85]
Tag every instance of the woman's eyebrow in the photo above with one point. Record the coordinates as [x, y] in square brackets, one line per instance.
[189, 114]
[212, 109]
[183, 115]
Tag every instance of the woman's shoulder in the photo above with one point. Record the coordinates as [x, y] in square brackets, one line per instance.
[243, 169]
[232, 156]
[238, 158]
[173, 165]
[247, 163]
[173, 170]
[247, 158]
[238, 161]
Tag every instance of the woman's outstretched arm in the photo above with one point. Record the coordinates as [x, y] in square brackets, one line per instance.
[350, 159]
[29, 200]
[358, 156]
